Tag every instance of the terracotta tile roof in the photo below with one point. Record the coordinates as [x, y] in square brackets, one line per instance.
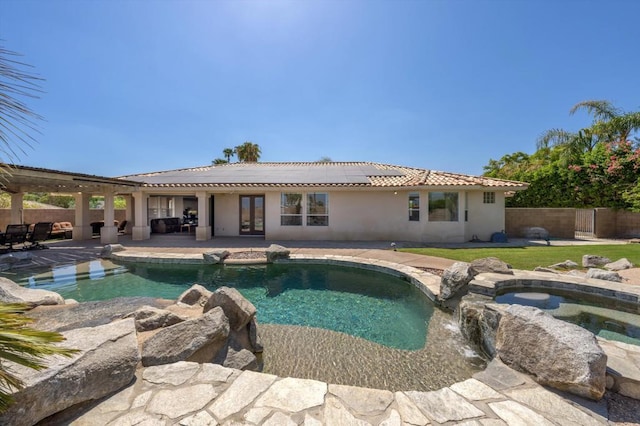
[316, 174]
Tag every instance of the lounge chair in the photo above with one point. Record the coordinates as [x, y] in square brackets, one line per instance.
[41, 232]
[15, 234]
[122, 228]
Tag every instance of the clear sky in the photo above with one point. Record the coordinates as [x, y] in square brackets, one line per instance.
[139, 86]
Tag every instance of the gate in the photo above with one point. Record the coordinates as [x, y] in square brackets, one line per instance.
[585, 223]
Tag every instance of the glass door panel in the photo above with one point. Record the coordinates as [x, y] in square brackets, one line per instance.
[252, 215]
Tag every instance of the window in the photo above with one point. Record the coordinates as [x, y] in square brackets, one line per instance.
[414, 207]
[318, 209]
[489, 197]
[443, 206]
[291, 209]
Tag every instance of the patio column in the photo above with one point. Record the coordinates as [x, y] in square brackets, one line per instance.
[141, 229]
[16, 208]
[81, 227]
[109, 232]
[128, 213]
[203, 231]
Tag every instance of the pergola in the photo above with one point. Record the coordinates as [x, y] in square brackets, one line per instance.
[18, 180]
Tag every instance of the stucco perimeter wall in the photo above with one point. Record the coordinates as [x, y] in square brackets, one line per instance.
[559, 222]
[55, 215]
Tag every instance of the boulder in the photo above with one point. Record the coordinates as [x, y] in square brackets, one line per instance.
[593, 261]
[238, 310]
[215, 257]
[196, 295]
[567, 264]
[242, 359]
[150, 318]
[254, 337]
[619, 265]
[109, 249]
[11, 292]
[454, 279]
[556, 353]
[601, 274]
[536, 233]
[491, 265]
[275, 252]
[478, 319]
[543, 269]
[106, 362]
[198, 340]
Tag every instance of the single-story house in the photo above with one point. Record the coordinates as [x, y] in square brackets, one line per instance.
[320, 201]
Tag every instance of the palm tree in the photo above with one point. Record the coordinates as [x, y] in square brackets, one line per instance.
[610, 124]
[248, 152]
[17, 120]
[24, 346]
[228, 153]
[219, 161]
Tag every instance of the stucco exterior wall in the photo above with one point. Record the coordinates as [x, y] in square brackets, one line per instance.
[484, 219]
[226, 215]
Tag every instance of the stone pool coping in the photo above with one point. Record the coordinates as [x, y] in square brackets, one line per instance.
[498, 393]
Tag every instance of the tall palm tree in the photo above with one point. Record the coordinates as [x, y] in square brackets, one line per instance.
[228, 153]
[248, 152]
[610, 124]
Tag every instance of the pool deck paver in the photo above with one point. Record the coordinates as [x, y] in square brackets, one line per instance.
[190, 394]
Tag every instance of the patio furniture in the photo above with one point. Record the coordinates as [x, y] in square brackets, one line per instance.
[41, 232]
[14, 234]
[95, 226]
[166, 225]
[61, 230]
[122, 228]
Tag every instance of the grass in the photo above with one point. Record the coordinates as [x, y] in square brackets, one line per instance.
[529, 257]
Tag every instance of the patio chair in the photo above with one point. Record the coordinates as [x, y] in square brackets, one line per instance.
[15, 234]
[41, 232]
[122, 228]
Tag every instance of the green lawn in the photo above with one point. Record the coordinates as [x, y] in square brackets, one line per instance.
[530, 257]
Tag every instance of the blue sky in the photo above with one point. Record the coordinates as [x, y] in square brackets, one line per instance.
[138, 86]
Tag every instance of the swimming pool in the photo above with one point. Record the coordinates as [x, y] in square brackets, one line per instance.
[363, 303]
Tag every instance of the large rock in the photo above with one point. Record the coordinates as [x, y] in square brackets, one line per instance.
[238, 309]
[109, 249]
[593, 261]
[537, 233]
[106, 362]
[276, 251]
[567, 264]
[619, 265]
[198, 340]
[150, 318]
[215, 256]
[558, 354]
[478, 318]
[491, 265]
[454, 279]
[11, 292]
[196, 295]
[601, 274]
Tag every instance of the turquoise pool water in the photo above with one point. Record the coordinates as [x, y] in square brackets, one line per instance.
[372, 305]
[619, 322]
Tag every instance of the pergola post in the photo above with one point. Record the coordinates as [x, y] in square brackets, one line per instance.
[16, 207]
[128, 214]
[141, 229]
[203, 231]
[82, 229]
[109, 232]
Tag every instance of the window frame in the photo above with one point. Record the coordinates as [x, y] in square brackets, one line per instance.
[489, 197]
[446, 199]
[284, 216]
[313, 217]
[414, 209]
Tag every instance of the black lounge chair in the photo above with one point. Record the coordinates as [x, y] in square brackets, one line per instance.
[122, 228]
[15, 234]
[41, 232]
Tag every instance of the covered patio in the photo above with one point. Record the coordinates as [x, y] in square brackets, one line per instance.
[23, 179]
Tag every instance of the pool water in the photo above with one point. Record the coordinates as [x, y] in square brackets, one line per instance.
[367, 304]
[619, 322]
